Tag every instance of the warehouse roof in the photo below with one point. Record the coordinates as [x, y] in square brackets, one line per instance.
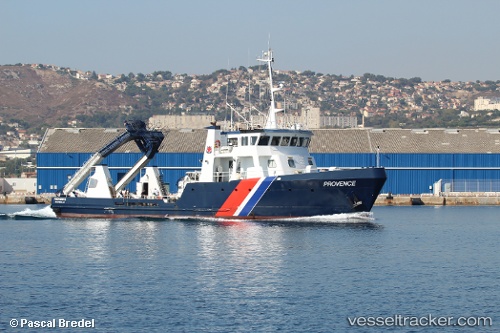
[324, 140]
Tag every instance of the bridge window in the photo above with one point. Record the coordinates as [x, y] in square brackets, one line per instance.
[294, 141]
[303, 142]
[244, 141]
[232, 142]
[253, 140]
[285, 141]
[310, 161]
[271, 164]
[275, 141]
[264, 140]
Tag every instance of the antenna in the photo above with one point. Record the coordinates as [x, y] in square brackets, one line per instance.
[268, 58]
[249, 92]
[227, 89]
[238, 114]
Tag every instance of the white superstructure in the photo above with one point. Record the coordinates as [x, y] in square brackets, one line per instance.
[255, 152]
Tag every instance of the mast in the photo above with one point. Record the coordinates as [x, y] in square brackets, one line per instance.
[267, 57]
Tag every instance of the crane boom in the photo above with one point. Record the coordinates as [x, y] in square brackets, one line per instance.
[148, 141]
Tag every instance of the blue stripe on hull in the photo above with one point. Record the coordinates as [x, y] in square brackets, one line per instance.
[256, 196]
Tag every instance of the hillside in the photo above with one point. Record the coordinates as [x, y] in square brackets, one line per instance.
[41, 96]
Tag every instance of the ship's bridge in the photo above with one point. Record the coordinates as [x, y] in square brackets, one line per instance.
[262, 153]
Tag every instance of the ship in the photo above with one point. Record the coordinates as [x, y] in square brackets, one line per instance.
[261, 172]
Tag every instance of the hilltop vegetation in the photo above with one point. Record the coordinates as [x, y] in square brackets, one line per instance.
[39, 96]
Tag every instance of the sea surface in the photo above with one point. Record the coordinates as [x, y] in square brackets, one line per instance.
[395, 269]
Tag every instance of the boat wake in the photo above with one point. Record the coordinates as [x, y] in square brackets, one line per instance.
[30, 214]
[362, 217]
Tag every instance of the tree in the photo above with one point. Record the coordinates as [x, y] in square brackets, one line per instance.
[122, 78]
[308, 73]
[415, 80]
[165, 75]
[418, 99]
[14, 167]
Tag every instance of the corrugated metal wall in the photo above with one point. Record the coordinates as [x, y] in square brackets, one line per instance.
[407, 173]
[414, 173]
[55, 169]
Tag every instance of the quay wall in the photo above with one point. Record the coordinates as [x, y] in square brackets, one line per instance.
[22, 198]
[464, 199]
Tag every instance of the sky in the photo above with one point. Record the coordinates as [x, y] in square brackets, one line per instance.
[431, 39]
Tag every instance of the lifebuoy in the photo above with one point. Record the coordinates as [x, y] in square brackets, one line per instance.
[217, 144]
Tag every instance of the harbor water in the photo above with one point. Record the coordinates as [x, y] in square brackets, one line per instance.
[395, 269]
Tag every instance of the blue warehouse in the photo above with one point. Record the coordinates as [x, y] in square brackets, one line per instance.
[415, 160]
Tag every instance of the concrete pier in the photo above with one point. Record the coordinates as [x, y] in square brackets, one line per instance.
[24, 198]
[455, 199]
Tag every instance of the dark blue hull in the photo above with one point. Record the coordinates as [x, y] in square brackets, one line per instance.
[299, 195]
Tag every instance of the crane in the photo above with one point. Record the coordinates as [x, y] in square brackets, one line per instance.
[148, 141]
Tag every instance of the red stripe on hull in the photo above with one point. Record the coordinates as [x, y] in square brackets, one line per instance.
[236, 197]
